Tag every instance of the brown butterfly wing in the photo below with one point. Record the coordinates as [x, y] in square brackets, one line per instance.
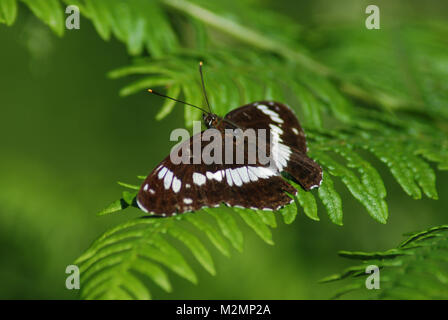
[287, 139]
[177, 188]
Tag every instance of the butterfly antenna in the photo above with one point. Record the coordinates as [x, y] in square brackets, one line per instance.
[188, 104]
[203, 86]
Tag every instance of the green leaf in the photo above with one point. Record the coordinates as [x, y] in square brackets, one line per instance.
[50, 12]
[143, 84]
[195, 246]
[218, 241]
[331, 199]
[169, 256]
[154, 272]
[268, 217]
[256, 223]
[129, 197]
[129, 186]
[168, 105]
[8, 11]
[424, 176]
[289, 212]
[414, 270]
[134, 286]
[228, 227]
[376, 207]
[369, 176]
[115, 206]
[100, 14]
[307, 201]
[397, 164]
[137, 23]
[320, 88]
[311, 107]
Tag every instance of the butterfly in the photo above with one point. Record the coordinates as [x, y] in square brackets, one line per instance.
[172, 189]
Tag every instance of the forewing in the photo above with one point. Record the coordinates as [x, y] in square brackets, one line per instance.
[265, 115]
[287, 142]
[177, 188]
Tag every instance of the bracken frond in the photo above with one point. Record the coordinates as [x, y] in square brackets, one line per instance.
[353, 100]
[416, 269]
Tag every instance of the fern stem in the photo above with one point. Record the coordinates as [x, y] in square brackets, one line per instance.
[246, 34]
[258, 40]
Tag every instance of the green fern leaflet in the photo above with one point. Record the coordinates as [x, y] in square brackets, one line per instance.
[355, 105]
[417, 269]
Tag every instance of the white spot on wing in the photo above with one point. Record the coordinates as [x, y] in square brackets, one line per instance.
[272, 114]
[275, 129]
[141, 206]
[244, 174]
[176, 185]
[295, 130]
[253, 177]
[320, 182]
[168, 179]
[229, 177]
[198, 178]
[145, 188]
[280, 152]
[236, 177]
[262, 172]
[188, 201]
[215, 175]
[162, 172]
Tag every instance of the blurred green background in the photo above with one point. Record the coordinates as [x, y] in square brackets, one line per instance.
[66, 137]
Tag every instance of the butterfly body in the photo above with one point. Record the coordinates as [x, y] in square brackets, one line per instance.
[177, 188]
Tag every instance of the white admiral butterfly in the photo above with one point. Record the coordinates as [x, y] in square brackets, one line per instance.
[171, 189]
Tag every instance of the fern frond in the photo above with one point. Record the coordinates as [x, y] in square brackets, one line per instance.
[145, 24]
[140, 24]
[406, 62]
[50, 12]
[416, 269]
[119, 261]
[343, 136]
[233, 79]
[8, 11]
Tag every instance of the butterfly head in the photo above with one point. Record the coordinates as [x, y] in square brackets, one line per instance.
[211, 120]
